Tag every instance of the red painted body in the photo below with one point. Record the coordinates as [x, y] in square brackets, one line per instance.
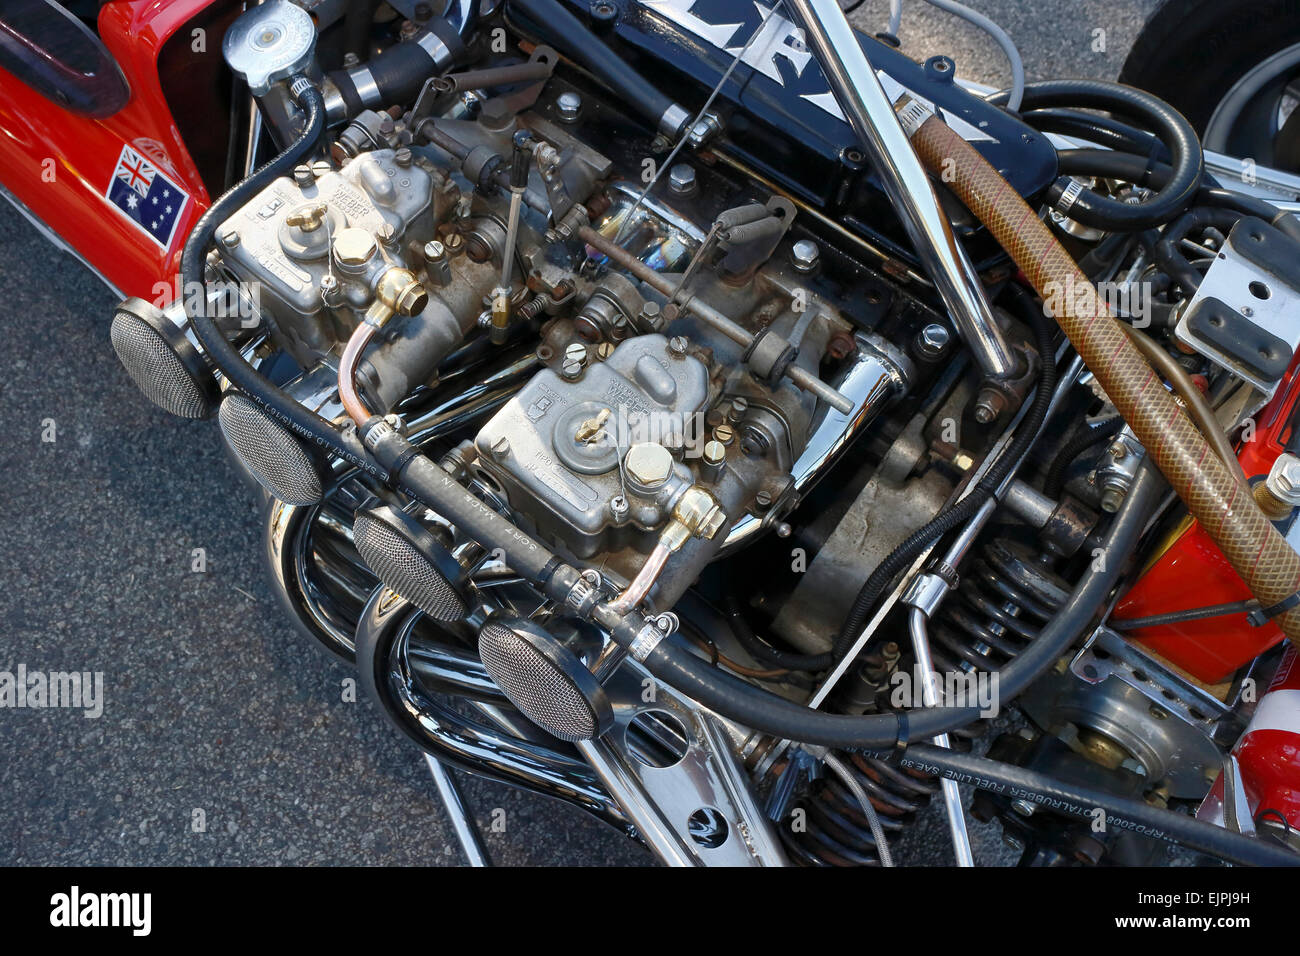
[1268, 753]
[58, 163]
[1191, 573]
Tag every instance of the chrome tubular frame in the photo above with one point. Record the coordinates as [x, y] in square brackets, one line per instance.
[872, 116]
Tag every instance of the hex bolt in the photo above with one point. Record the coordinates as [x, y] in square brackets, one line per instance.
[648, 464]
[569, 104]
[651, 315]
[805, 255]
[1284, 479]
[933, 340]
[681, 179]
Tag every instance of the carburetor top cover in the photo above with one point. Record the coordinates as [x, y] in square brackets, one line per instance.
[561, 448]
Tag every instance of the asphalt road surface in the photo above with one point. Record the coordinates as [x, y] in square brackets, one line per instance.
[214, 710]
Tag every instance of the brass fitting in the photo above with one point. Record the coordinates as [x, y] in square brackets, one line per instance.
[397, 292]
[696, 514]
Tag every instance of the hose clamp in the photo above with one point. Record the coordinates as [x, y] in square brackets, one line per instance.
[913, 116]
[647, 639]
[1070, 195]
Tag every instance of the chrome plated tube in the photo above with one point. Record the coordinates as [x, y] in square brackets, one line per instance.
[461, 822]
[386, 626]
[872, 116]
[951, 795]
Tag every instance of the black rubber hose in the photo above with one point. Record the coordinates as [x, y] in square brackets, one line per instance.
[1122, 813]
[672, 661]
[766, 653]
[902, 557]
[1142, 172]
[1102, 130]
[1091, 436]
[1168, 252]
[555, 24]
[316, 430]
[1172, 128]
[401, 70]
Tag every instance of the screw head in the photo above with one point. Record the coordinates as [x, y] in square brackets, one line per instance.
[805, 255]
[576, 352]
[569, 104]
[715, 453]
[571, 370]
[230, 238]
[303, 176]
[500, 448]
[678, 344]
[725, 434]
[681, 179]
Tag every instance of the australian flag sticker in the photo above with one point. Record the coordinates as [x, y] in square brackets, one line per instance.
[144, 194]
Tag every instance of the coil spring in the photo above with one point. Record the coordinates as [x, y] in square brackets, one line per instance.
[828, 828]
[1004, 600]
[1001, 605]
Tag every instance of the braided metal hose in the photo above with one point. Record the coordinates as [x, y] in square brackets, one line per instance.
[1254, 548]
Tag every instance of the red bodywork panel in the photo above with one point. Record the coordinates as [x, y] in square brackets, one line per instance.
[1191, 573]
[59, 164]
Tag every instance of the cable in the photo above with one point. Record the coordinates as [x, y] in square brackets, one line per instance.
[1193, 400]
[1121, 813]
[1003, 39]
[1172, 128]
[1182, 617]
[1092, 436]
[873, 820]
[764, 652]
[907, 552]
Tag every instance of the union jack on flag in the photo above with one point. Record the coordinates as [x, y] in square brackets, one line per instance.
[146, 196]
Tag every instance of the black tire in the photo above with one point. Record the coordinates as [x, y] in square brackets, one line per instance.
[1192, 52]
